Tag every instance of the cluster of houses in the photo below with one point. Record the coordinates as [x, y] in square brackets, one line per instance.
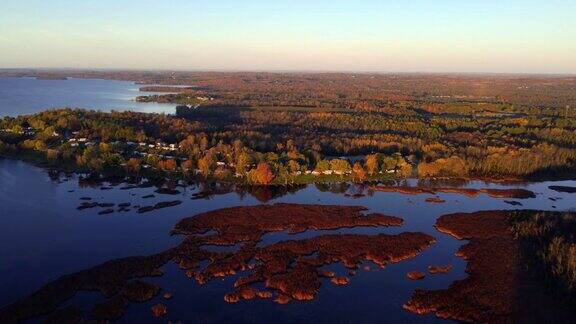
[75, 142]
[141, 148]
[138, 148]
[82, 141]
[29, 131]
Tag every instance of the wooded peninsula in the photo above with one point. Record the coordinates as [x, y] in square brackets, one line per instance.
[266, 128]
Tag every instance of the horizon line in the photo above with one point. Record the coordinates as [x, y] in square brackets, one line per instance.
[285, 71]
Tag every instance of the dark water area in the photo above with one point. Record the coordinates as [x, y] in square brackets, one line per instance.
[44, 236]
[23, 96]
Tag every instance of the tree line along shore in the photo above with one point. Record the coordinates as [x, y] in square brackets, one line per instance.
[257, 146]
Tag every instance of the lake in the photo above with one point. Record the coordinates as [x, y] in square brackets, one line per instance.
[44, 236]
[23, 96]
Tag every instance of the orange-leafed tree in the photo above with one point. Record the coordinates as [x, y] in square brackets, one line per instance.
[358, 172]
[262, 174]
[168, 165]
[133, 165]
[372, 163]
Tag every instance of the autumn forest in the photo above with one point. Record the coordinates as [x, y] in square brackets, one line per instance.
[266, 128]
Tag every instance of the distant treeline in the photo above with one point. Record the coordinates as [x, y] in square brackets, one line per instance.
[434, 93]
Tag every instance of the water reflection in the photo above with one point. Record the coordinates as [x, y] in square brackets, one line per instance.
[43, 236]
[264, 194]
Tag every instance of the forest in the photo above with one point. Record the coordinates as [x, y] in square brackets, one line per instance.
[291, 146]
[508, 94]
[296, 128]
[549, 246]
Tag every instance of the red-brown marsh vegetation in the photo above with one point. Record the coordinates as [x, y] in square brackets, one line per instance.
[289, 270]
[499, 288]
[469, 192]
[439, 269]
[415, 275]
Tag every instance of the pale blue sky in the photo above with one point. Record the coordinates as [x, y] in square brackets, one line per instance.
[361, 35]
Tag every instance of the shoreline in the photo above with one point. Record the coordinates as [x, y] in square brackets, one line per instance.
[456, 182]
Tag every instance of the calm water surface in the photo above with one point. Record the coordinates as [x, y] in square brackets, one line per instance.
[23, 96]
[44, 236]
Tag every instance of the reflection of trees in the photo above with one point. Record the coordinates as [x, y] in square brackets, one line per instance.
[208, 189]
[358, 188]
[89, 181]
[266, 193]
[457, 183]
[333, 187]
